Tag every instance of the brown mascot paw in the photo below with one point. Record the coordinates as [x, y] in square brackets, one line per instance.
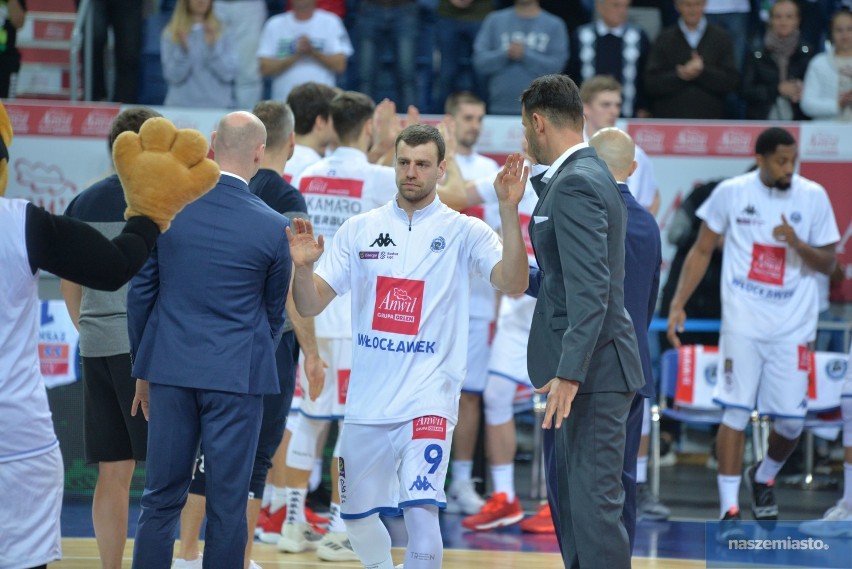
[162, 169]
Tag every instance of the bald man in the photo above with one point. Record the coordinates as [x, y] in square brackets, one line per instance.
[642, 260]
[204, 316]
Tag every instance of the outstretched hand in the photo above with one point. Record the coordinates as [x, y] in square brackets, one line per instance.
[511, 180]
[304, 249]
[162, 169]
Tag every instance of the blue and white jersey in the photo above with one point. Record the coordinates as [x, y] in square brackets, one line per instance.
[410, 287]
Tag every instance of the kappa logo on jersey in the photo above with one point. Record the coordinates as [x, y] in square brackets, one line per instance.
[421, 483]
[767, 264]
[430, 427]
[749, 216]
[383, 240]
[399, 303]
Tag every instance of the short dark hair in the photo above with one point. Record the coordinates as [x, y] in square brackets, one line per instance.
[350, 111]
[131, 120]
[596, 85]
[557, 98]
[770, 139]
[419, 134]
[278, 119]
[793, 2]
[459, 98]
[309, 101]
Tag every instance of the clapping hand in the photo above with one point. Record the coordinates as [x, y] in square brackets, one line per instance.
[304, 249]
[511, 180]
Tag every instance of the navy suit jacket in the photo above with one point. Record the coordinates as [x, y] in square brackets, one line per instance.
[206, 310]
[642, 259]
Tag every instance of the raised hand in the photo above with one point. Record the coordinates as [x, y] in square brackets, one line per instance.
[304, 249]
[785, 233]
[511, 180]
[447, 128]
[162, 169]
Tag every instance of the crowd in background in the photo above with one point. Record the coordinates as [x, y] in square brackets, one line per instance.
[690, 59]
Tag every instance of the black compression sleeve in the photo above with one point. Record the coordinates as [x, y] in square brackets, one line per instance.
[74, 251]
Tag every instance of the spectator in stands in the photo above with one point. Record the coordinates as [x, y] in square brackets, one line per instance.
[458, 23]
[199, 61]
[733, 17]
[115, 441]
[514, 46]
[574, 13]
[14, 13]
[827, 92]
[304, 44]
[772, 79]
[601, 97]
[388, 28]
[611, 46]
[779, 228]
[691, 67]
[125, 17]
[243, 20]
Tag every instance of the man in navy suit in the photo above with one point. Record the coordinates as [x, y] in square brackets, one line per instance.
[582, 350]
[642, 259]
[204, 316]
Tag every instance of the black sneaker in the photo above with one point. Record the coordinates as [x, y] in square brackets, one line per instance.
[730, 527]
[763, 504]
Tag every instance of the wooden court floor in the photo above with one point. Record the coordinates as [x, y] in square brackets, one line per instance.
[82, 553]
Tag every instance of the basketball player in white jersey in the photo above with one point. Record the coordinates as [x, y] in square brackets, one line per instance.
[410, 314]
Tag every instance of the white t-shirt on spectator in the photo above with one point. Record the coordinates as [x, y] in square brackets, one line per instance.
[278, 40]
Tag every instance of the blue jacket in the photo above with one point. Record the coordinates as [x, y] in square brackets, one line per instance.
[206, 310]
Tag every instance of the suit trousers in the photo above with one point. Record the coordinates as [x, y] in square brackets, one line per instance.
[229, 424]
[583, 462]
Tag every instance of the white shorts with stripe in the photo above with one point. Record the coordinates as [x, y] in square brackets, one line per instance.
[769, 376]
[384, 468]
[330, 405]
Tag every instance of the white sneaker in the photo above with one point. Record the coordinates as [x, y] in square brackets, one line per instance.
[298, 537]
[184, 564]
[463, 499]
[335, 546]
[837, 522]
[253, 565]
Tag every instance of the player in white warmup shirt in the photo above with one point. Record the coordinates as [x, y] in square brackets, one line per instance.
[466, 111]
[779, 231]
[410, 322]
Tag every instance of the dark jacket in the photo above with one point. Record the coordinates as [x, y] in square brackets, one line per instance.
[701, 98]
[761, 78]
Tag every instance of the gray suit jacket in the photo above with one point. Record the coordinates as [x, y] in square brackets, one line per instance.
[580, 329]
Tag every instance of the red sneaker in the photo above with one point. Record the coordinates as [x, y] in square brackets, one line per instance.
[541, 522]
[264, 514]
[497, 512]
[271, 529]
[314, 518]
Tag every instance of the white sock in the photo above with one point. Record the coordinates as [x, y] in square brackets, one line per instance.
[729, 492]
[268, 490]
[335, 522]
[462, 470]
[767, 470]
[316, 475]
[279, 499]
[847, 484]
[641, 470]
[296, 505]
[503, 477]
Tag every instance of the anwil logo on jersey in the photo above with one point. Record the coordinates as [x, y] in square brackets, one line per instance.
[767, 264]
[398, 305]
[429, 427]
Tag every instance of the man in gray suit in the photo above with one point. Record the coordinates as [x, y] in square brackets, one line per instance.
[582, 352]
